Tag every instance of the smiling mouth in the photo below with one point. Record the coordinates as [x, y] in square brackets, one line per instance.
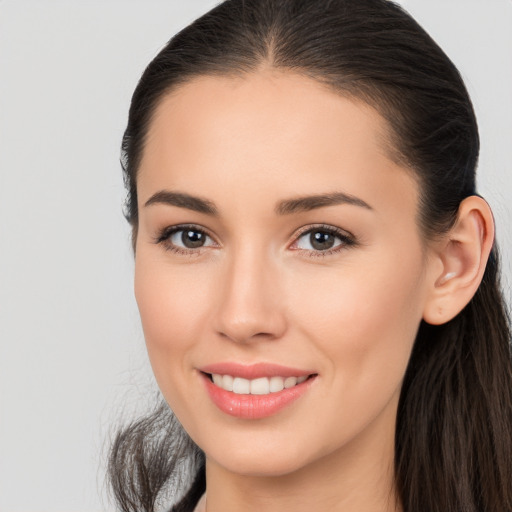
[258, 397]
[259, 386]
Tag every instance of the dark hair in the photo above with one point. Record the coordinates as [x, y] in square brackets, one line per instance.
[453, 449]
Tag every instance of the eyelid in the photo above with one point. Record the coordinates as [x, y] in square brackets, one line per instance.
[167, 231]
[323, 227]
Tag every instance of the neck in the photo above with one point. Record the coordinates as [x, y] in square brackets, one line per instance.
[359, 477]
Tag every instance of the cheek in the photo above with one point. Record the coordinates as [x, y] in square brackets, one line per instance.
[171, 306]
[364, 317]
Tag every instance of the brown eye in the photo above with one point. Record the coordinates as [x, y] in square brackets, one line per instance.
[322, 240]
[185, 238]
[191, 239]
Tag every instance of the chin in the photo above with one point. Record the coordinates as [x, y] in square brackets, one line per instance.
[262, 465]
[260, 459]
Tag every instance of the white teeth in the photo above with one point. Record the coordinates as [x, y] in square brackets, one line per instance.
[276, 384]
[290, 382]
[260, 386]
[241, 386]
[227, 382]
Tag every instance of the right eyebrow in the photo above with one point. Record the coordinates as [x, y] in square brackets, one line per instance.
[307, 203]
[183, 200]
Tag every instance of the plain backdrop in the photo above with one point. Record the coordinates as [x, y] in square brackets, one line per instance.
[72, 356]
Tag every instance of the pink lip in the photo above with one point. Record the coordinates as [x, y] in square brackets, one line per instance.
[254, 371]
[253, 406]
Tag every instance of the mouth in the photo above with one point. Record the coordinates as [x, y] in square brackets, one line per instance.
[259, 386]
[256, 391]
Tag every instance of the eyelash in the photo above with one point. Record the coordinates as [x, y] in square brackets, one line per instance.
[347, 239]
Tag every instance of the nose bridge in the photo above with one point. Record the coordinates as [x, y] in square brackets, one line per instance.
[250, 304]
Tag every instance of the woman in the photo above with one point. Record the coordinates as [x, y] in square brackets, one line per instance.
[315, 272]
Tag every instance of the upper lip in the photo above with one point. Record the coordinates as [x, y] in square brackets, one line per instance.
[254, 371]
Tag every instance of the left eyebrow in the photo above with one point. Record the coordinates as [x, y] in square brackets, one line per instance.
[182, 200]
[307, 203]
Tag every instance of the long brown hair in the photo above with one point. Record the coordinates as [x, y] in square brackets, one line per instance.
[454, 426]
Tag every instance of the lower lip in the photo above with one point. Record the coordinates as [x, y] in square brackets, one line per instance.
[254, 406]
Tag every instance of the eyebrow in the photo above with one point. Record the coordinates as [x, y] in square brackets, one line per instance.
[307, 203]
[286, 207]
[183, 200]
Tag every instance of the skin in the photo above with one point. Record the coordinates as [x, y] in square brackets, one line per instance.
[258, 291]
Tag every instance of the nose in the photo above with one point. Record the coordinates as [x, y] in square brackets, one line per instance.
[250, 304]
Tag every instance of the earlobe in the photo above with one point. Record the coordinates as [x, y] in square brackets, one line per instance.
[461, 258]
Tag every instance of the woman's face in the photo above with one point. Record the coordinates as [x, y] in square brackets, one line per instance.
[277, 239]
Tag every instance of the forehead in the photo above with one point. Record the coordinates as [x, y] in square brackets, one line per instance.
[268, 101]
[268, 132]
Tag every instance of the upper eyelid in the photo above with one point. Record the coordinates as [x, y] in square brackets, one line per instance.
[323, 227]
[169, 230]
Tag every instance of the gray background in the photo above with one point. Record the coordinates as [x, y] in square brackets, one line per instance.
[72, 357]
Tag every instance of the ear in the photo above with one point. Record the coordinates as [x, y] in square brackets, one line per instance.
[459, 262]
